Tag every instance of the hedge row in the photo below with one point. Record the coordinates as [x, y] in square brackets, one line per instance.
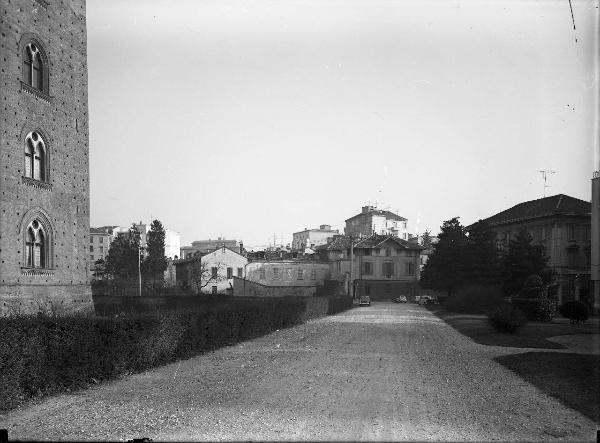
[536, 309]
[42, 355]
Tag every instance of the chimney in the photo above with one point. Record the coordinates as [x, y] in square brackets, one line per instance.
[366, 209]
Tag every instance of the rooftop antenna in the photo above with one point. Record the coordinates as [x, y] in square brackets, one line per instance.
[545, 173]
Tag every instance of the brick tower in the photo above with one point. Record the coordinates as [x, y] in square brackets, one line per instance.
[44, 170]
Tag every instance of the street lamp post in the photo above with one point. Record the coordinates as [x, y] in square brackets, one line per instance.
[140, 249]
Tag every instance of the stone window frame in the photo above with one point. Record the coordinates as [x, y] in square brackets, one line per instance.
[26, 131]
[41, 217]
[27, 41]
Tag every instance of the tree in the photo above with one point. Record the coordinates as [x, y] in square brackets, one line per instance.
[426, 242]
[203, 273]
[523, 259]
[99, 269]
[481, 262]
[123, 255]
[442, 270]
[155, 262]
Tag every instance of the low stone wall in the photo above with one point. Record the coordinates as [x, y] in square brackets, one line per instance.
[247, 288]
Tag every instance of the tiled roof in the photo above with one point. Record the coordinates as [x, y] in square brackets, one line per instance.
[339, 243]
[101, 230]
[376, 240]
[342, 242]
[554, 205]
[387, 214]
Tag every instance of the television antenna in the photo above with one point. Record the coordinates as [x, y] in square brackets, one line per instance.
[545, 173]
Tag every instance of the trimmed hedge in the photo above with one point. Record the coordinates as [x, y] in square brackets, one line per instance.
[43, 355]
[536, 309]
[339, 304]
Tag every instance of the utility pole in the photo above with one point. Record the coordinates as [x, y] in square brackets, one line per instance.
[351, 265]
[545, 173]
[140, 269]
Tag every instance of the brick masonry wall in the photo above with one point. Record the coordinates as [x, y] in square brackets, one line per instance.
[63, 120]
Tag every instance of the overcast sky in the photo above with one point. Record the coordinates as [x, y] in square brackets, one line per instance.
[249, 119]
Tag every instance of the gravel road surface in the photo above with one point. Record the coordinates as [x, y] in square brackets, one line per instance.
[384, 372]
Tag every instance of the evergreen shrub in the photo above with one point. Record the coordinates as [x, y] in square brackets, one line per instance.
[574, 311]
[474, 299]
[507, 318]
[536, 309]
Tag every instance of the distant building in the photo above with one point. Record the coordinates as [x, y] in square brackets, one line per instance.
[211, 272]
[381, 266]
[376, 221]
[563, 225]
[203, 246]
[280, 277]
[100, 239]
[310, 238]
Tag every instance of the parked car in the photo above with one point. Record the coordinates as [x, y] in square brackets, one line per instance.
[364, 300]
[401, 299]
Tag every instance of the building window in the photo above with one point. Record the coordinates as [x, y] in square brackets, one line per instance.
[101, 239]
[388, 252]
[214, 290]
[404, 225]
[240, 272]
[300, 274]
[367, 268]
[35, 157]
[572, 257]
[313, 274]
[571, 232]
[410, 268]
[91, 248]
[377, 251]
[367, 252]
[35, 245]
[388, 269]
[261, 274]
[34, 66]
[214, 272]
[91, 257]
[229, 272]
[91, 239]
[101, 249]
[275, 272]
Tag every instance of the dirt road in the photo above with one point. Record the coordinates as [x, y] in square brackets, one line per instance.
[385, 372]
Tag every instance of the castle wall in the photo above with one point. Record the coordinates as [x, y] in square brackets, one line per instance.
[61, 116]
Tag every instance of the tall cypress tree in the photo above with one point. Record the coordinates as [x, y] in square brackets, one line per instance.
[443, 268]
[155, 262]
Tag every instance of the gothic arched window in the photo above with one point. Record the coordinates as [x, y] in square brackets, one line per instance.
[34, 67]
[35, 157]
[35, 245]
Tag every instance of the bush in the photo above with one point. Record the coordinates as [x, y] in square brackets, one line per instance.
[533, 287]
[507, 318]
[574, 311]
[536, 309]
[474, 299]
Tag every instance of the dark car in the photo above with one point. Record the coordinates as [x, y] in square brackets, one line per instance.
[401, 299]
[364, 300]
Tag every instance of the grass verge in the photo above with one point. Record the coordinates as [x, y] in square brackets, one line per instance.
[574, 379]
[532, 335]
